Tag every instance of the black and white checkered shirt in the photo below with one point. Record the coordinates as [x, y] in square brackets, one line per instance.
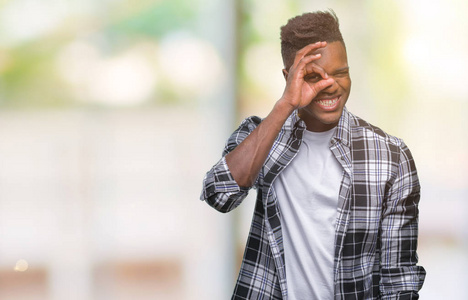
[377, 221]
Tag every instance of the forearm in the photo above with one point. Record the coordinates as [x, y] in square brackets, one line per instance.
[246, 160]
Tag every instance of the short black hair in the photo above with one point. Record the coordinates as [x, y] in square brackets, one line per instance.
[309, 28]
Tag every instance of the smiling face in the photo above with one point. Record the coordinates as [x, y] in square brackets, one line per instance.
[324, 111]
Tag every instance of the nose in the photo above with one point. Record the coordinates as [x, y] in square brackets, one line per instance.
[331, 89]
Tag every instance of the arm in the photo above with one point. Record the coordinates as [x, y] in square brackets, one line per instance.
[220, 190]
[401, 278]
[227, 183]
[246, 160]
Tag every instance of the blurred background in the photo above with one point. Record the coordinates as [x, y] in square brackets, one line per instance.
[111, 111]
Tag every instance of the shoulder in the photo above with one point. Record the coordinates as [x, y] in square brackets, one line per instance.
[245, 128]
[251, 122]
[363, 130]
[370, 139]
[372, 145]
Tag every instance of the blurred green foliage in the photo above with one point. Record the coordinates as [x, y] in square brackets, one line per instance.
[28, 69]
[155, 19]
[29, 76]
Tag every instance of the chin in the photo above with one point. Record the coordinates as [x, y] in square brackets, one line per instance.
[332, 118]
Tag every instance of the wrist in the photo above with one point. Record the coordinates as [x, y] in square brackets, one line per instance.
[285, 106]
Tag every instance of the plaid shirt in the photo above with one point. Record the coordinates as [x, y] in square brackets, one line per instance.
[377, 215]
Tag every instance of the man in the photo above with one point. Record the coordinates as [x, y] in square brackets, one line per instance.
[336, 215]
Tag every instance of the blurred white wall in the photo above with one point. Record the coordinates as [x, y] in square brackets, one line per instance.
[84, 195]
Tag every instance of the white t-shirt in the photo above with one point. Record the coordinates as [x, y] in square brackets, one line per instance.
[307, 192]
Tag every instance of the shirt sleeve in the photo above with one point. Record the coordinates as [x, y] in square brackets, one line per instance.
[400, 277]
[220, 190]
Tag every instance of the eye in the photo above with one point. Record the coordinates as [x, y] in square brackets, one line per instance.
[342, 74]
[314, 77]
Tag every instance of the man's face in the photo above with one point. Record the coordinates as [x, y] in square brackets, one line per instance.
[324, 112]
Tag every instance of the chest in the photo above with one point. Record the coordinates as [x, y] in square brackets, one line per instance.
[312, 179]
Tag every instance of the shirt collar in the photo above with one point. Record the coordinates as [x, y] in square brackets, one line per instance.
[296, 120]
[343, 129]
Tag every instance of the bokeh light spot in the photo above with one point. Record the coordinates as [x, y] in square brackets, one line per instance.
[21, 266]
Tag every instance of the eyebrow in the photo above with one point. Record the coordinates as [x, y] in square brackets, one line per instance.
[341, 69]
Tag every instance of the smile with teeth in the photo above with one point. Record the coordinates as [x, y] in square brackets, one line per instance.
[328, 102]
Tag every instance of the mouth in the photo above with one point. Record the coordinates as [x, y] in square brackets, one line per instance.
[328, 104]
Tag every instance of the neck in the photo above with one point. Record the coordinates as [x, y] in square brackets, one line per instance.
[315, 125]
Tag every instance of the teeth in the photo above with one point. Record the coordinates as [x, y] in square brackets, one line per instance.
[330, 102]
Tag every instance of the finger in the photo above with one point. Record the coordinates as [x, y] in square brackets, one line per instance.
[311, 47]
[296, 70]
[306, 50]
[322, 84]
[314, 68]
[310, 58]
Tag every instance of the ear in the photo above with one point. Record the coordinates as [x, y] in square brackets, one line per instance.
[285, 74]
